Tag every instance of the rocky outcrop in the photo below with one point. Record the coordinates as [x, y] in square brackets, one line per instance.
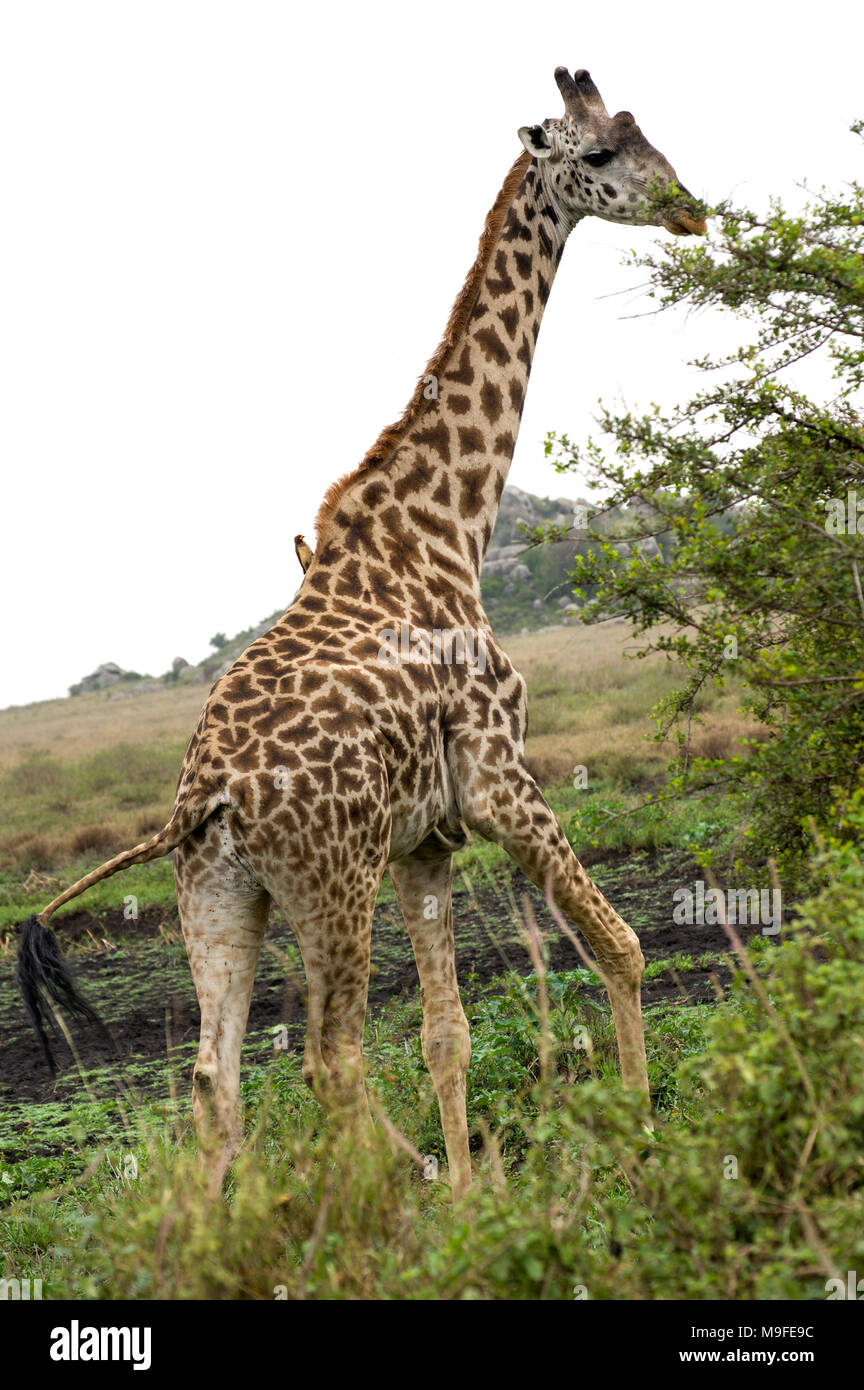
[647, 548]
[517, 594]
[521, 508]
[109, 673]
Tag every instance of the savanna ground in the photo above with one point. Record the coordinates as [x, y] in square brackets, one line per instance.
[97, 1171]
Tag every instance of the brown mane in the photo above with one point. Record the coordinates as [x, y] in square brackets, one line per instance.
[389, 437]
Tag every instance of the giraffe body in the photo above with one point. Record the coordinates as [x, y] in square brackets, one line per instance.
[350, 737]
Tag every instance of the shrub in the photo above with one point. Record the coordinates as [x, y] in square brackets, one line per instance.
[751, 1186]
[753, 492]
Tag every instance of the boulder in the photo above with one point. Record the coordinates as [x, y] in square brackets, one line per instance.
[649, 548]
[109, 673]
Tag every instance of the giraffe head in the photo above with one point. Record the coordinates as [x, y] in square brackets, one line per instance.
[594, 163]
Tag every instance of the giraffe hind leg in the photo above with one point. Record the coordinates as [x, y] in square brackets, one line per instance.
[335, 945]
[223, 913]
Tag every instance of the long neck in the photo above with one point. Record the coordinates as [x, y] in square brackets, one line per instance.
[438, 474]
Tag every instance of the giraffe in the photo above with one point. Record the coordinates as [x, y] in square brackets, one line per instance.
[363, 730]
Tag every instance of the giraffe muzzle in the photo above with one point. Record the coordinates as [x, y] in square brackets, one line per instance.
[683, 223]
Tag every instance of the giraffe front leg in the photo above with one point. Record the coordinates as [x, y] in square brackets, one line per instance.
[507, 806]
[423, 882]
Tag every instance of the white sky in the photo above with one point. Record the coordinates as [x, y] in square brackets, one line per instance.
[232, 234]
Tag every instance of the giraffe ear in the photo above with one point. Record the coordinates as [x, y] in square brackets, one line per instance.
[536, 141]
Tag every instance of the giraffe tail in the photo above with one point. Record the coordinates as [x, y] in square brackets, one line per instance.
[44, 978]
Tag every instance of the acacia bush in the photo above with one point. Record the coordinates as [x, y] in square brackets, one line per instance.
[754, 491]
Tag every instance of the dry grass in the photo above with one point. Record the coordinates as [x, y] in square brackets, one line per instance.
[590, 702]
[72, 729]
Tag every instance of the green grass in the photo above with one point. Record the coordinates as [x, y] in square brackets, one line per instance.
[52, 812]
[749, 1187]
[151, 884]
[41, 788]
[80, 1151]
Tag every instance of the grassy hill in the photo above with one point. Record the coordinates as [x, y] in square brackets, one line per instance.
[83, 778]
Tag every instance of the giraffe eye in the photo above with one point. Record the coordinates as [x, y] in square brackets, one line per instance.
[597, 158]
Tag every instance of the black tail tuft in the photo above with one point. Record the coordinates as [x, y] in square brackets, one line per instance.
[44, 980]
